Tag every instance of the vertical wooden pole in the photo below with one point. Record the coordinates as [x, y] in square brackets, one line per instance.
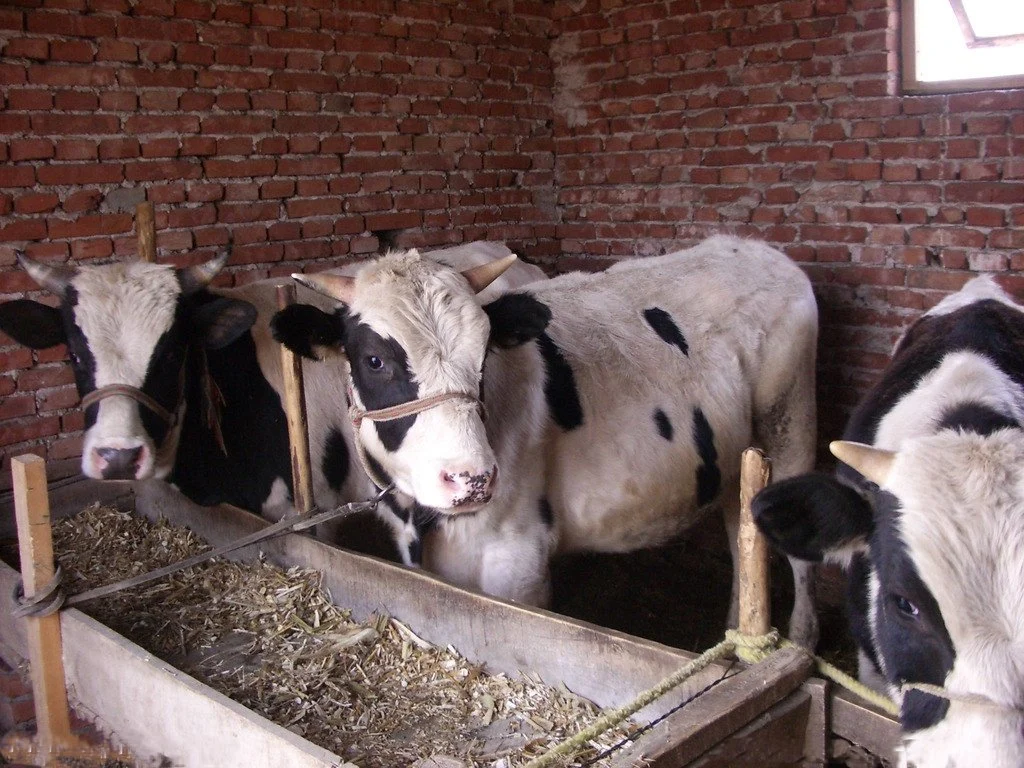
[145, 229]
[295, 411]
[45, 651]
[755, 578]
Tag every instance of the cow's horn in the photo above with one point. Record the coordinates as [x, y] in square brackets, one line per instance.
[55, 279]
[485, 274]
[339, 287]
[199, 275]
[873, 463]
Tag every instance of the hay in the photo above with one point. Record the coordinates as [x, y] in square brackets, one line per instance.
[374, 693]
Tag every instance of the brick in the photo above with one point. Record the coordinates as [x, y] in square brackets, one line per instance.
[31, 149]
[27, 48]
[89, 226]
[82, 201]
[93, 248]
[40, 202]
[25, 229]
[20, 431]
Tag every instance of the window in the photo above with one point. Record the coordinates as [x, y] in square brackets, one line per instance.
[962, 45]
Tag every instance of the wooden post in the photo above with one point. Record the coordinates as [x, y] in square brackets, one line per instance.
[53, 742]
[755, 579]
[45, 653]
[145, 229]
[295, 410]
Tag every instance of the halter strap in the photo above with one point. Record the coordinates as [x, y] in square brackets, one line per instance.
[406, 409]
[976, 699]
[136, 394]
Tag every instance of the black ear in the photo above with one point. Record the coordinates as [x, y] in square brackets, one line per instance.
[35, 325]
[516, 318]
[309, 331]
[223, 320]
[812, 515]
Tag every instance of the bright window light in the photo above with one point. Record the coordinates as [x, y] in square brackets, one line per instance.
[962, 45]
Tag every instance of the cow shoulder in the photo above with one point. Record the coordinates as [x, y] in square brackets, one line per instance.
[309, 331]
[516, 318]
[35, 325]
[813, 516]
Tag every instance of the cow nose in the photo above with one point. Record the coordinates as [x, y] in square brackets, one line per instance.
[469, 486]
[119, 463]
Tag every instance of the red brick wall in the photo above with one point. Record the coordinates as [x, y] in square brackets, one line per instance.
[598, 129]
[302, 131]
[678, 118]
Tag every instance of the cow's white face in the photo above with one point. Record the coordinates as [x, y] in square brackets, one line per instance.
[961, 520]
[414, 329]
[128, 326]
[124, 313]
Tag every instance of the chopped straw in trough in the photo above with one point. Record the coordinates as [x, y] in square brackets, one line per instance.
[271, 639]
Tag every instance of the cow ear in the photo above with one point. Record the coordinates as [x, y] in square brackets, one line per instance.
[223, 320]
[309, 331]
[516, 318]
[814, 517]
[35, 325]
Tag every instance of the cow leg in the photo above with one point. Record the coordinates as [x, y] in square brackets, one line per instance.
[517, 568]
[730, 503]
[803, 621]
[278, 504]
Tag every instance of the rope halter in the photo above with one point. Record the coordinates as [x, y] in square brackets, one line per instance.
[960, 697]
[391, 413]
[136, 394]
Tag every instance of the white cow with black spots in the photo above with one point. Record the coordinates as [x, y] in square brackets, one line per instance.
[617, 404]
[927, 515]
[182, 382]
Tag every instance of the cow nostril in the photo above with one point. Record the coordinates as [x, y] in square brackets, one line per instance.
[119, 463]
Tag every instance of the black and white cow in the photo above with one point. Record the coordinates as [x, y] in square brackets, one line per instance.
[182, 382]
[927, 514]
[617, 404]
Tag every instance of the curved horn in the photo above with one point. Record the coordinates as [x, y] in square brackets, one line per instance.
[199, 276]
[55, 279]
[483, 275]
[339, 287]
[873, 463]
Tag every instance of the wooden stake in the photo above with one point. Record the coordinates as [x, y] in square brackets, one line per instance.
[53, 740]
[755, 579]
[145, 228]
[295, 410]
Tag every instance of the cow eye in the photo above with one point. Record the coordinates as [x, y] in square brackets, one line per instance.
[75, 360]
[374, 362]
[904, 606]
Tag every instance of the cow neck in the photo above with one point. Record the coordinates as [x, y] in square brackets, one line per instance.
[409, 408]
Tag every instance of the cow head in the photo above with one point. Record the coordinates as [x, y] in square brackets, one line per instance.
[939, 532]
[127, 327]
[412, 329]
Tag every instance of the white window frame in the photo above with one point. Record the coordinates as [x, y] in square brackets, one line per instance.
[910, 81]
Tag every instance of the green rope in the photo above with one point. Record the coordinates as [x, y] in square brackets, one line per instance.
[616, 716]
[749, 648]
[836, 675]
